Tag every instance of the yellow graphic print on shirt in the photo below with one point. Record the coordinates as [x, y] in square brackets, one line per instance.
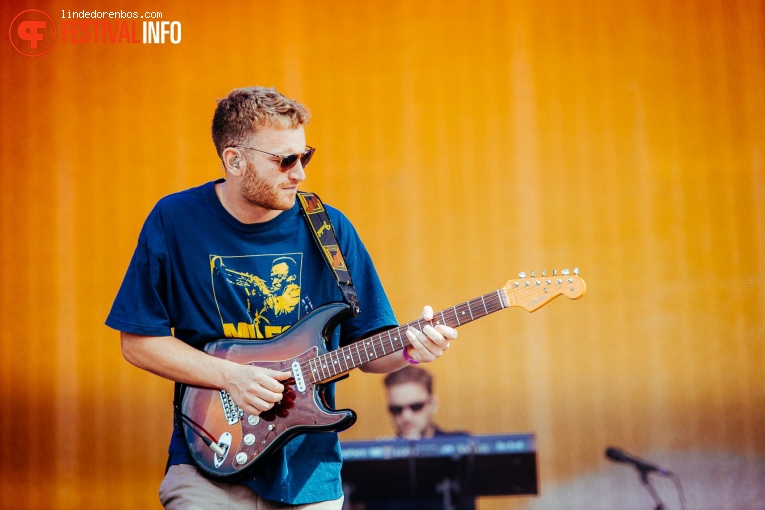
[258, 296]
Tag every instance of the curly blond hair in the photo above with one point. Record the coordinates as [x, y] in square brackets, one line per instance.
[243, 111]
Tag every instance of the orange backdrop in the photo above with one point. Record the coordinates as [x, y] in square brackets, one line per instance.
[468, 141]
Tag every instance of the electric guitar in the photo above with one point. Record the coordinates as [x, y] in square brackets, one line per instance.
[227, 443]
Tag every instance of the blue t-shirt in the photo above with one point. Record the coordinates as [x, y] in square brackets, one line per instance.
[199, 274]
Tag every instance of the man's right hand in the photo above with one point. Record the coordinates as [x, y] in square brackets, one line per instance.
[255, 389]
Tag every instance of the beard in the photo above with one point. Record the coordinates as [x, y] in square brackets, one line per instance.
[265, 194]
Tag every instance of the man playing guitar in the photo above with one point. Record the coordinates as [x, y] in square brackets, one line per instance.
[234, 259]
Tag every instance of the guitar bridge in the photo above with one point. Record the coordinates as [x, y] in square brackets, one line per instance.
[230, 409]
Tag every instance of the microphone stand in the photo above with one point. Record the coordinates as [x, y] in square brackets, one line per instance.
[647, 484]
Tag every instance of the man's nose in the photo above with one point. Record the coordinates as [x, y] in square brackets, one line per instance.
[297, 172]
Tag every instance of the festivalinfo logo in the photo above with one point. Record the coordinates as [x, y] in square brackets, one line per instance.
[34, 32]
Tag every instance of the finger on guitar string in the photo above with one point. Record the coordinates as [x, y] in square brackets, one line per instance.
[435, 336]
[256, 389]
[257, 406]
[258, 402]
[432, 341]
[448, 332]
[423, 353]
[443, 331]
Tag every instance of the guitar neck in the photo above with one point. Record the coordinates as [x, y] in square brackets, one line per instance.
[529, 293]
[335, 363]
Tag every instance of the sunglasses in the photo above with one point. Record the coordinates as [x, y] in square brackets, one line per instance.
[287, 161]
[415, 407]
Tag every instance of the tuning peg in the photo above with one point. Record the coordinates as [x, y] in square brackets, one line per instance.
[555, 272]
[532, 274]
[521, 275]
[544, 273]
[576, 271]
[565, 272]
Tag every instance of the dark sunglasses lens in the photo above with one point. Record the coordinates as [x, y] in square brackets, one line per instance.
[288, 161]
[416, 408]
[306, 157]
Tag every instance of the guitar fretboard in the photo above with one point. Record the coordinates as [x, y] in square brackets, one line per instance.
[332, 364]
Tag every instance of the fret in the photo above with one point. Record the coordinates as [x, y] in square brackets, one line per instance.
[398, 337]
[499, 304]
[501, 301]
[345, 357]
[484, 305]
[478, 312]
[349, 356]
[456, 322]
[471, 311]
[325, 368]
[447, 320]
[374, 351]
[314, 370]
[382, 345]
[319, 371]
[456, 315]
[392, 347]
[325, 364]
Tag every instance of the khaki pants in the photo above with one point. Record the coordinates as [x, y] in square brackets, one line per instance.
[184, 488]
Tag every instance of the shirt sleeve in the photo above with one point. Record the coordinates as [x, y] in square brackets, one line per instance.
[376, 312]
[141, 303]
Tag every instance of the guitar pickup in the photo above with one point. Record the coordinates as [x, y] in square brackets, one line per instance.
[297, 374]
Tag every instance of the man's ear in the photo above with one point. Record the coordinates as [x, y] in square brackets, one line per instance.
[233, 161]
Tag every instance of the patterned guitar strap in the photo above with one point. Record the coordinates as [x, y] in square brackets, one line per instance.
[324, 234]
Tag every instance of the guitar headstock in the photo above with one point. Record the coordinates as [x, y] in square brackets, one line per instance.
[534, 292]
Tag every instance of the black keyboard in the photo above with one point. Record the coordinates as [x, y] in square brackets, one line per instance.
[485, 465]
